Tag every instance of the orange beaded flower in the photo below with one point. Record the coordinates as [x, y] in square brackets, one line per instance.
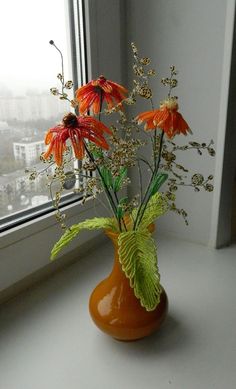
[92, 95]
[75, 128]
[166, 118]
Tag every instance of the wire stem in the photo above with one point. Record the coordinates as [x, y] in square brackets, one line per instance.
[107, 192]
[147, 195]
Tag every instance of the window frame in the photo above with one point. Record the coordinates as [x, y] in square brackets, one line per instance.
[77, 63]
[26, 248]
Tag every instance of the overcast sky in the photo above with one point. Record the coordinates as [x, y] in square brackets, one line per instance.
[27, 59]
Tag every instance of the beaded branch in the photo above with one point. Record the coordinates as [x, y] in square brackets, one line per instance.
[125, 148]
[90, 157]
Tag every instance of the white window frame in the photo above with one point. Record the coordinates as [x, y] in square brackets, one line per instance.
[26, 249]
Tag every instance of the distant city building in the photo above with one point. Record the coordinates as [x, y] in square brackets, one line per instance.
[4, 127]
[21, 135]
[28, 150]
[38, 106]
[18, 192]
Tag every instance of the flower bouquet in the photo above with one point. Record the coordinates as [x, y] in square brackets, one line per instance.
[106, 155]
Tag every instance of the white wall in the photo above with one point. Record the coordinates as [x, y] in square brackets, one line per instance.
[195, 36]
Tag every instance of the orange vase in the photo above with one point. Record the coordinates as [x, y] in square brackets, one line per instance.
[115, 309]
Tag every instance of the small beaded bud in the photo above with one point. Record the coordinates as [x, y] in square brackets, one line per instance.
[54, 91]
[69, 84]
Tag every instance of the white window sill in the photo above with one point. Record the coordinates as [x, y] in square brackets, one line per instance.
[49, 340]
[26, 249]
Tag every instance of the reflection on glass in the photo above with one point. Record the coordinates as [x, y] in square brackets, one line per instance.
[28, 70]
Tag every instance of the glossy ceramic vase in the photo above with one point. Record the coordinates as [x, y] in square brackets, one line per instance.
[115, 309]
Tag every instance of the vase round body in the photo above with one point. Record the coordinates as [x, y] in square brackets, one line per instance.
[115, 309]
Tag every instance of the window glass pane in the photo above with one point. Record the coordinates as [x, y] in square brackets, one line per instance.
[28, 69]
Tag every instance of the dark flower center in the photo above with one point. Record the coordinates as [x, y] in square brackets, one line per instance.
[98, 89]
[70, 120]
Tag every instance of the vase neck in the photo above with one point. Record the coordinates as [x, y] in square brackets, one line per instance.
[116, 265]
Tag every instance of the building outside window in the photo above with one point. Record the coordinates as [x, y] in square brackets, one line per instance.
[28, 150]
[28, 70]
[27, 234]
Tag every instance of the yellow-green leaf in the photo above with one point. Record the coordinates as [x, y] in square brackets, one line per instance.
[156, 207]
[89, 224]
[138, 258]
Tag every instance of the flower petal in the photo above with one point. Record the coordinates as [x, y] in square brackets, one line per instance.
[86, 103]
[118, 87]
[89, 95]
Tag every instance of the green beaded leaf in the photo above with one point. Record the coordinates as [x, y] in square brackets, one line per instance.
[157, 182]
[119, 179]
[138, 258]
[107, 177]
[89, 224]
[121, 207]
[156, 207]
[113, 183]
